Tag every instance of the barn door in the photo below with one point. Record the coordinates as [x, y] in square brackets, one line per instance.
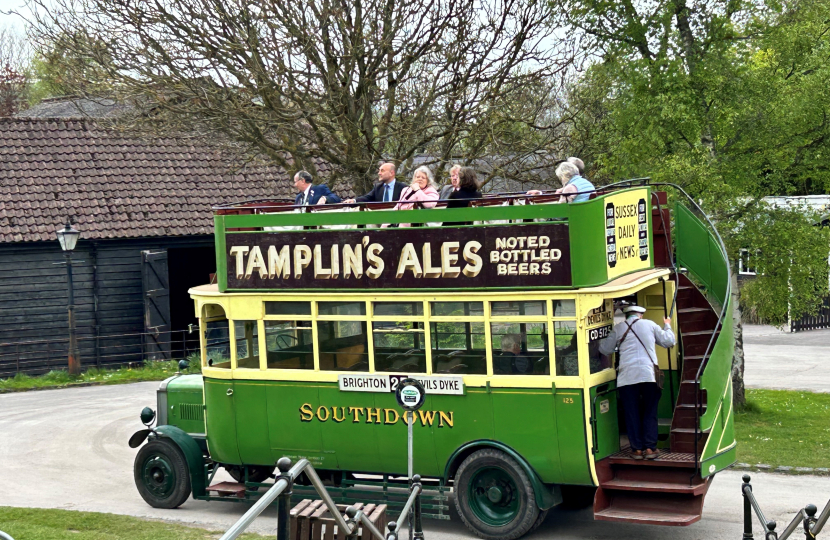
[156, 285]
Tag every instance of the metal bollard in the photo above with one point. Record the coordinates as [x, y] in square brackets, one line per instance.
[284, 500]
[747, 508]
[392, 534]
[809, 520]
[416, 510]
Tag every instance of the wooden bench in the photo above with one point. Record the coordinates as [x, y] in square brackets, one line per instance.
[311, 520]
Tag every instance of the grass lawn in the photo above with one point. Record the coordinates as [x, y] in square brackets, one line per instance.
[149, 371]
[37, 524]
[784, 427]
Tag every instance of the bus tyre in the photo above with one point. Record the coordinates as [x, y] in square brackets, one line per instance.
[161, 474]
[494, 496]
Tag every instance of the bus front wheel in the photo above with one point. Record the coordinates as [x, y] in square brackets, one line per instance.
[161, 474]
[494, 496]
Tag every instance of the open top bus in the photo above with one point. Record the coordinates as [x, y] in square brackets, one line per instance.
[316, 316]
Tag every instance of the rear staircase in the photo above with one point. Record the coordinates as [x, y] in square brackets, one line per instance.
[668, 490]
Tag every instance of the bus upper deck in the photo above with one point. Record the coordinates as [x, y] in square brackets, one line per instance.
[526, 242]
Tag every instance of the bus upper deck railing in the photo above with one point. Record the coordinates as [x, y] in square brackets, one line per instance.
[281, 492]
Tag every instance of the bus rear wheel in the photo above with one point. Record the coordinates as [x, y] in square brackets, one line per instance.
[494, 496]
[161, 474]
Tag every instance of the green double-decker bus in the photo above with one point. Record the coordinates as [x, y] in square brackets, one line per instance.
[498, 310]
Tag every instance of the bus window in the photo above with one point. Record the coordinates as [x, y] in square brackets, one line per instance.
[531, 307]
[596, 360]
[217, 337]
[399, 347]
[564, 308]
[289, 345]
[288, 308]
[457, 309]
[343, 345]
[567, 357]
[458, 347]
[341, 308]
[520, 348]
[247, 344]
[393, 309]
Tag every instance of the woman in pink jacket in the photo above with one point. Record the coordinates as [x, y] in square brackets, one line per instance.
[421, 193]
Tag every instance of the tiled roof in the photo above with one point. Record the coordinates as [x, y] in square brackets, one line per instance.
[74, 107]
[114, 185]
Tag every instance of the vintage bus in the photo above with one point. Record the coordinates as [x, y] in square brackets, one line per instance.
[316, 316]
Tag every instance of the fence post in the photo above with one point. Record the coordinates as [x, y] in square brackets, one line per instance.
[416, 510]
[284, 500]
[747, 508]
[17, 356]
[809, 521]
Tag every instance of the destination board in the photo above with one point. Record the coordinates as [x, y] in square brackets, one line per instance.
[532, 255]
[433, 384]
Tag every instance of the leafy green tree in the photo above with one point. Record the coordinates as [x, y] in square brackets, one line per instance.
[730, 99]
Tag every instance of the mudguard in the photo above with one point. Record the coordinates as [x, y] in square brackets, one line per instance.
[192, 454]
[138, 437]
[547, 495]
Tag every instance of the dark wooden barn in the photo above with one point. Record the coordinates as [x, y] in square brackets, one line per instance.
[143, 208]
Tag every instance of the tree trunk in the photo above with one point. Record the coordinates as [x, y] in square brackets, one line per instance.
[738, 390]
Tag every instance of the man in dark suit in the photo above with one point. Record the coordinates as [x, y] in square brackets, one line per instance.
[310, 194]
[388, 190]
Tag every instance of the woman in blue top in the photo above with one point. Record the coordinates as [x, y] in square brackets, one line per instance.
[575, 188]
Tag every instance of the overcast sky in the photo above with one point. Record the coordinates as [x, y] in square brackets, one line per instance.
[11, 20]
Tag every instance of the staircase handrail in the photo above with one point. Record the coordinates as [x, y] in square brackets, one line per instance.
[282, 490]
[724, 308]
[806, 516]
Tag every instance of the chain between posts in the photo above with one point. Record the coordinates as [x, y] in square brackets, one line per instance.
[810, 524]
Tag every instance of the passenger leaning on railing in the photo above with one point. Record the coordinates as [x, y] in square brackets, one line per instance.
[310, 194]
[387, 189]
[420, 193]
[453, 185]
[467, 190]
[575, 188]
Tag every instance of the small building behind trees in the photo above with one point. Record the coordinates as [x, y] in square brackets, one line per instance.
[143, 207]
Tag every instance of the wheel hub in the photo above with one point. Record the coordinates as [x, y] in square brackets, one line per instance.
[494, 496]
[158, 475]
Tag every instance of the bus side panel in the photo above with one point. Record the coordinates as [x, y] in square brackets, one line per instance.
[573, 447]
[252, 422]
[392, 436]
[294, 424]
[347, 433]
[472, 416]
[525, 420]
[221, 421]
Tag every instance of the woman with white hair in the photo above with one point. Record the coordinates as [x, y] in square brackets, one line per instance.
[422, 192]
[575, 188]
